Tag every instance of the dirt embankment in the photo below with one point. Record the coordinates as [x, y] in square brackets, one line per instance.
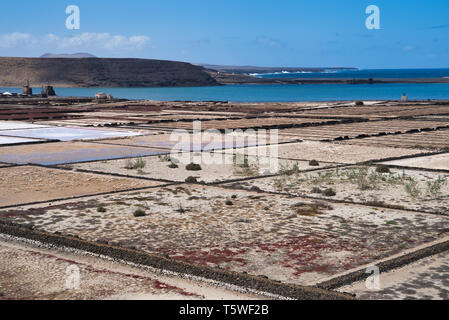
[101, 72]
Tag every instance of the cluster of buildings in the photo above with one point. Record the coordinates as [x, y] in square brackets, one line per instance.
[27, 91]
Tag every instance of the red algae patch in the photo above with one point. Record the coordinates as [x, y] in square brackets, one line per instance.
[261, 234]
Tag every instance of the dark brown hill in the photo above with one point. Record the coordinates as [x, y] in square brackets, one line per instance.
[100, 72]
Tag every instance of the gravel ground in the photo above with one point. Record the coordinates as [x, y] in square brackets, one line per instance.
[439, 161]
[35, 273]
[185, 141]
[215, 167]
[27, 184]
[426, 279]
[338, 153]
[394, 189]
[237, 236]
[285, 238]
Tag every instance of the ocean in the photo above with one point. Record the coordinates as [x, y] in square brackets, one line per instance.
[290, 92]
[362, 74]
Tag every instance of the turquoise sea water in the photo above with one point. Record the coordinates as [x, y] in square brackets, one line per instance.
[363, 74]
[269, 93]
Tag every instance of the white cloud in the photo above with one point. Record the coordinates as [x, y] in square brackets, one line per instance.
[86, 40]
[15, 39]
[49, 38]
[103, 40]
[268, 41]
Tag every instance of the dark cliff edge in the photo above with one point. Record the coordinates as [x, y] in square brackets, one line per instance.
[101, 72]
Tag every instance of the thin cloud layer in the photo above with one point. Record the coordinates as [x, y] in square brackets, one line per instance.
[16, 39]
[86, 40]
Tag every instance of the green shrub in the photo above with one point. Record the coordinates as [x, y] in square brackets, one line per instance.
[316, 190]
[241, 160]
[164, 158]
[314, 163]
[329, 192]
[135, 164]
[193, 167]
[310, 209]
[139, 213]
[173, 166]
[412, 188]
[243, 167]
[191, 180]
[279, 183]
[101, 209]
[382, 169]
[323, 177]
[359, 176]
[229, 203]
[288, 170]
[434, 187]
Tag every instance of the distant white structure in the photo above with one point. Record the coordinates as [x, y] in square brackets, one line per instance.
[8, 94]
[404, 98]
[102, 96]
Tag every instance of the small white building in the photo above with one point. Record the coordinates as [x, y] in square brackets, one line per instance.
[102, 96]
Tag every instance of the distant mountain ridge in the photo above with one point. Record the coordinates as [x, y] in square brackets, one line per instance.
[101, 72]
[79, 55]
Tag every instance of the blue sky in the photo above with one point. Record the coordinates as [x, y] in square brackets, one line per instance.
[413, 34]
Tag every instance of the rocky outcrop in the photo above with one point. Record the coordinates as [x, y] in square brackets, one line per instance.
[100, 72]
